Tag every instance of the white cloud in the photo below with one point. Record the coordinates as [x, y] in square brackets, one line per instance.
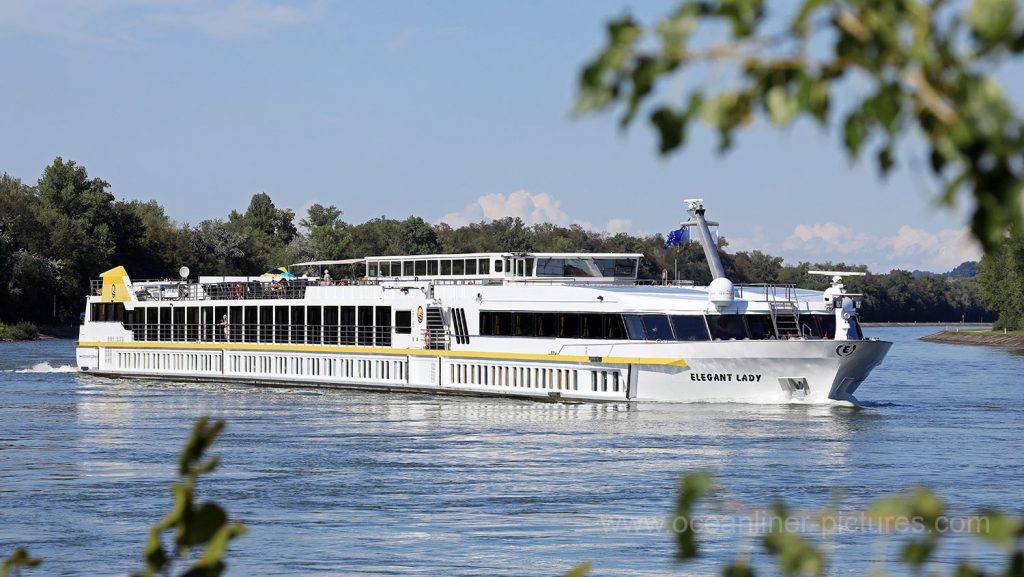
[909, 248]
[828, 237]
[120, 20]
[531, 208]
[935, 251]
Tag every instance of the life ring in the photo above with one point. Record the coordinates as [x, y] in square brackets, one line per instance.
[238, 290]
[426, 339]
[471, 282]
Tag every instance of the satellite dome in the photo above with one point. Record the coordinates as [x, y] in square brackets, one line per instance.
[720, 292]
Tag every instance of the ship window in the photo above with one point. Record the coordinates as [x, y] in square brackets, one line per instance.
[281, 324]
[403, 322]
[826, 326]
[383, 337]
[421, 268]
[385, 268]
[502, 324]
[498, 265]
[470, 266]
[529, 267]
[524, 324]
[613, 327]
[348, 325]
[591, 326]
[485, 266]
[760, 326]
[690, 327]
[192, 324]
[251, 324]
[656, 328]
[432, 267]
[396, 268]
[458, 267]
[266, 324]
[407, 268]
[209, 322]
[365, 331]
[634, 328]
[314, 317]
[298, 320]
[446, 268]
[165, 324]
[485, 323]
[330, 325]
[547, 324]
[371, 269]
[551, 267]
[519, 267]
[178, 320]
[569, 325]
[725, 327]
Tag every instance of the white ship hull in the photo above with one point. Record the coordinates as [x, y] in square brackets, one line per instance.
[741, 371]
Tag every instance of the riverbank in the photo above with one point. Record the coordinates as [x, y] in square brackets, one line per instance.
[927, 324]
[984, 338]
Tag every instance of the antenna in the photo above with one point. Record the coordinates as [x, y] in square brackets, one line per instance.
[837, 272]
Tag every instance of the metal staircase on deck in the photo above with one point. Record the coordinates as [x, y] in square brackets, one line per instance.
[436, 330]
[785, 316]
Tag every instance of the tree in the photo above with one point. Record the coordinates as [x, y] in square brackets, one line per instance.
[927, 68]
[1001, 275]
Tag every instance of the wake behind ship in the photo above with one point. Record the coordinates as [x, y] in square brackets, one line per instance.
[562, 326]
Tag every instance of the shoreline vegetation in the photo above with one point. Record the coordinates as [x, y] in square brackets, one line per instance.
[67, 228]
[18, 332]
[988, 338]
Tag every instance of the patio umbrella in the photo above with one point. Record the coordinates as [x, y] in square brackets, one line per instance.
[277, 273]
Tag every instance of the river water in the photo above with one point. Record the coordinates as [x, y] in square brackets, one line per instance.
[355, 483]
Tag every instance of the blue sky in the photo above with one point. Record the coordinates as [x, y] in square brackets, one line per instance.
[454, 111]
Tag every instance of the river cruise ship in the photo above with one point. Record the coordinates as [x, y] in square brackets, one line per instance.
[567, 327]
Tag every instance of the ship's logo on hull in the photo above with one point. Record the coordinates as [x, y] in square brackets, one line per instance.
[419, 315]
[845, 350]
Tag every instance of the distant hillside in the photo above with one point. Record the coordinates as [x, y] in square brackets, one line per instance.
[968, 269]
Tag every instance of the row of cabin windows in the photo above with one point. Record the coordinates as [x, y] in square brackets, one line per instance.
[476, 266]
[650, 327]
[298, 324]
[439, 267]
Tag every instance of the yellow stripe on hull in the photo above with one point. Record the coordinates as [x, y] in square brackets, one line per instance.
[391, 351]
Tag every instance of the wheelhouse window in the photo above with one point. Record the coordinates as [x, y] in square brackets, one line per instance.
[726, 327]
[497, 265]
[634, 327]
[446, 268]
[690, 328]
[760, 326]
[484, 266]
[657, 328]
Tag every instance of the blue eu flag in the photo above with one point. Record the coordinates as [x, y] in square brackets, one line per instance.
[677, 236]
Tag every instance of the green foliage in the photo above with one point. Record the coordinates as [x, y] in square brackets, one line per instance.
[1001, 274]
[904, 67]
[18, 332]
[16, 561]
[194, 525]
[51, 254]
[918, 513]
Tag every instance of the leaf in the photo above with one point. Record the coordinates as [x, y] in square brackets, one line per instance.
[17, 559]
[782, 107]
[991, 20]
[671, 128]
[579, 570]
[999, 528]
[915, 553]
[691, 488]
[203, 523]
[885, 159]
[854, 131]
